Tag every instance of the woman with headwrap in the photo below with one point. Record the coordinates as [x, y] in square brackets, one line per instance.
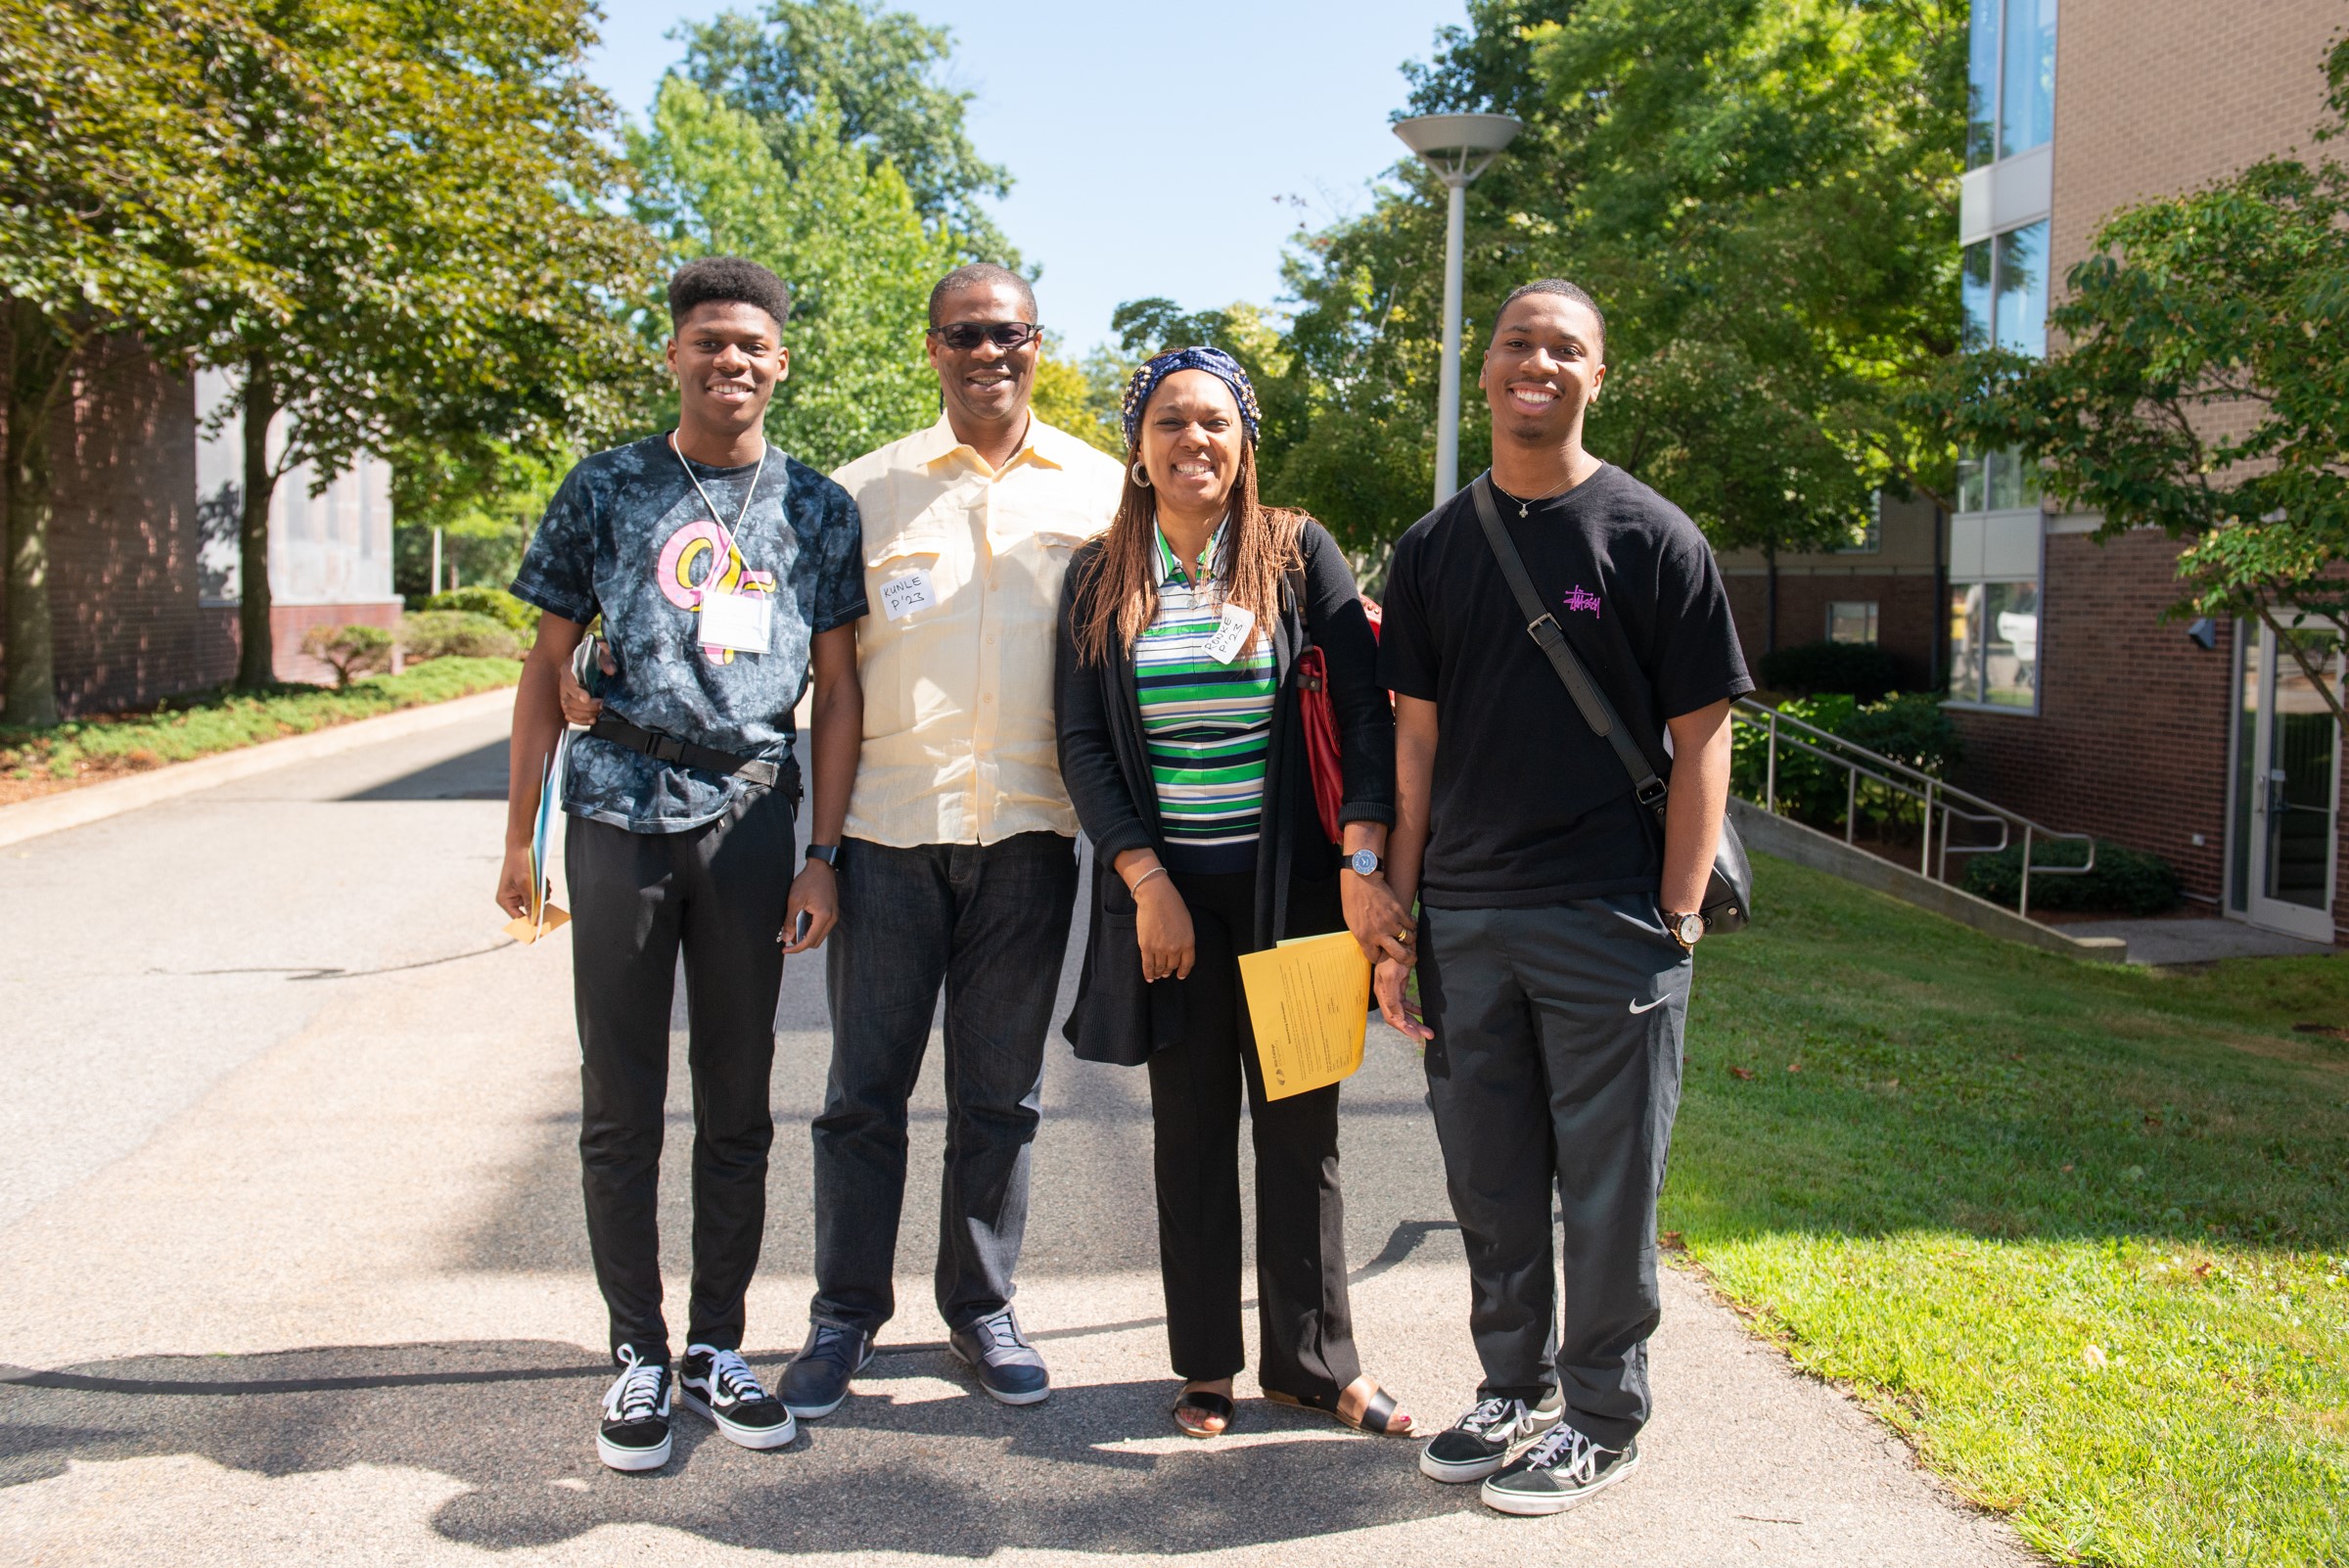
[1182, 751]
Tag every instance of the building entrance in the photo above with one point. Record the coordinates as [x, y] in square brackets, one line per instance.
[2285, 825]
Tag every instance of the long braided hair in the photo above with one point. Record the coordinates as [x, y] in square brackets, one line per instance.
[1119, 591]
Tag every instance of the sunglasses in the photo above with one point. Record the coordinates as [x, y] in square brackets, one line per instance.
[964, 335]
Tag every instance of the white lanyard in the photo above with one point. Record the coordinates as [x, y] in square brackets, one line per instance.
[746, 495]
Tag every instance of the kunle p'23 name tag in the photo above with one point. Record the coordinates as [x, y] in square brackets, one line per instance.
[1231, 635]
[902, 596]
[741, 622]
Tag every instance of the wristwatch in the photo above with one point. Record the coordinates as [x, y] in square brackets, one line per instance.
[829, 854]
[1365, 863]
[1685, 929]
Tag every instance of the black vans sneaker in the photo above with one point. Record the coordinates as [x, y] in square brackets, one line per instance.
[1479, 1442]
[721, 1385]
[1558, 1472]
[634, 1435]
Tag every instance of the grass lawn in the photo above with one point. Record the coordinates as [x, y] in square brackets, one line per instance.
[37, 761]
[2080, 1232]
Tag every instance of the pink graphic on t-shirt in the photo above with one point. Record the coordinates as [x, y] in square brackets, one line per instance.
[1581, 599]
[722, 572]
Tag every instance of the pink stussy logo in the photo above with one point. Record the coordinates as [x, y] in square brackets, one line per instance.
[1582, 599]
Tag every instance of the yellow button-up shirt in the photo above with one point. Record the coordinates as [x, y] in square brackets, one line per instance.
[959, 736]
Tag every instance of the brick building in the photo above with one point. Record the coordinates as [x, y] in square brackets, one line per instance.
[2079, 704]
[1885, 589]
[142, 539]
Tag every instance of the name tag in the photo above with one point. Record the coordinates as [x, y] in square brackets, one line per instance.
[1232, 634]
[903, 596]
[741, 622]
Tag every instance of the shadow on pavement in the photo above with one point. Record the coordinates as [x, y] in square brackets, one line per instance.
[478, 775]
[915, 1462]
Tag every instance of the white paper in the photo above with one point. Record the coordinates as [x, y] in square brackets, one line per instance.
[741, 622]
[903, 596]
[1232, 635]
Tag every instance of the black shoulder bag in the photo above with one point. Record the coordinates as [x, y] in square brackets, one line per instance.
[1728, 900]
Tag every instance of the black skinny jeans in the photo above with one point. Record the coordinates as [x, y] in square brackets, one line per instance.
[1306, 1327]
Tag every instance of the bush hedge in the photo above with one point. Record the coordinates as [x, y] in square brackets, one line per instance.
[1911, 728]
[2124, 881]
[458, 633]
[349, 651]
[496, 603]
[1856, 670]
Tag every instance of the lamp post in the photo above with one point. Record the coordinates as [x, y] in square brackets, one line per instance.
[1458, 147]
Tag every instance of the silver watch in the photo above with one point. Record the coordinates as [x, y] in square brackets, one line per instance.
[1685, 929]
[1364, 863]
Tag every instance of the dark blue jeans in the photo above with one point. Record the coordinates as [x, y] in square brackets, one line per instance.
[990, 924]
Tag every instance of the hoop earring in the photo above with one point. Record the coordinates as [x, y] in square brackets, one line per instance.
[1139, 474]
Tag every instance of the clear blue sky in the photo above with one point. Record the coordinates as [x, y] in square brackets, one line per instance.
[1152, 152]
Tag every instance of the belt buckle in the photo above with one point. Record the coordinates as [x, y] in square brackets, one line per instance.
[666, 749]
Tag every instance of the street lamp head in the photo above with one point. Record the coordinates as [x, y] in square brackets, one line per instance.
[1457, 147]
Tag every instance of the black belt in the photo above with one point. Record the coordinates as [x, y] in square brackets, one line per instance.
[661, 748]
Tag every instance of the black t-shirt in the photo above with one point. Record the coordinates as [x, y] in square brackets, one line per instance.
[1529, 807]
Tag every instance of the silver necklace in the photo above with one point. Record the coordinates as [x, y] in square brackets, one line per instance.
[1525, 508]
[715, 515]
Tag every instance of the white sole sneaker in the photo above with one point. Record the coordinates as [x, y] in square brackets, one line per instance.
[749, 1437]
[1455, 1473]
[631, 1460]
[998, 1395]
[1535, 1507]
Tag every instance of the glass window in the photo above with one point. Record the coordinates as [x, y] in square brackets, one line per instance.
[2013, 483]
[1982, 86]
[2011, 644]
[2027, 94]
[1852, 620]
[1994, 644]
[2020, 308]
[1973, 293]
[1973, 495]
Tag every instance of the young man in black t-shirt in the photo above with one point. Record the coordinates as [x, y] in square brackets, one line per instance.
[1557, 932]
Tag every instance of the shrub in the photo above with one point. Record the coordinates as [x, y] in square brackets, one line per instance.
[353, 651]
[459, 633]
[1858, 670]
[2124, 882]
[495, 603]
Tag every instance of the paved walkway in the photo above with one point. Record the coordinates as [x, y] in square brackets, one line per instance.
[2195, 942]
[296, 1274]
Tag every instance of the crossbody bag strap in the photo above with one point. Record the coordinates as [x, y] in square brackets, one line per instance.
[1543, 626]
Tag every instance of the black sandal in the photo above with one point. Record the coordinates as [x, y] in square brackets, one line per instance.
[1207, 1403]
[1378, 1411]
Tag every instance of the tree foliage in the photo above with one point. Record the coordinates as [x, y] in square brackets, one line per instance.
[119, 134]
[872, 78]
[842, 231]
[1759, 192]
[440, 233]
[2199, 384]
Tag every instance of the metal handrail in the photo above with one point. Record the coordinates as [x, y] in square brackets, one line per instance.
[1952, 804]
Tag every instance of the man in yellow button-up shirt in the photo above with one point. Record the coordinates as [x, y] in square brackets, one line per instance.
[959, 867]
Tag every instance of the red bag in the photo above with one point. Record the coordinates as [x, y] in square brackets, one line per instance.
[1322, 732]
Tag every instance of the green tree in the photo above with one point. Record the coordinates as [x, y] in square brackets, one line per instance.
[2199, 384]
[441, 232]
[842, 231]
[117, 140]
[1080, 395]
[872, 76]
[1759, 192]
[486, 500]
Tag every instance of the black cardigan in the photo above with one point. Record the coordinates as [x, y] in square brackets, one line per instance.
[1121, 1016]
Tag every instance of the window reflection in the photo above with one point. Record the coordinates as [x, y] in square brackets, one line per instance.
[2027, 96]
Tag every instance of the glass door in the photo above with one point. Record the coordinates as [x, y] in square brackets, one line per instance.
[2287, 783]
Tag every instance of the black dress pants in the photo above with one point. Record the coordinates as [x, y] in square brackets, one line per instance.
[716, 893]
[1305, 1325]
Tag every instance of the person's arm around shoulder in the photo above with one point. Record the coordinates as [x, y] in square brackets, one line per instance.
[537, 726]
[836, 731]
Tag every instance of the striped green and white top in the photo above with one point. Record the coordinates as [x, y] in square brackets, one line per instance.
[1205, 725]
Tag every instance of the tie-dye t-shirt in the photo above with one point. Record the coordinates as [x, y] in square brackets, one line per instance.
[629, 538]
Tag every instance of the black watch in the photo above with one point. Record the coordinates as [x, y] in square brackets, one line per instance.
[1364, 863]
[829, 854]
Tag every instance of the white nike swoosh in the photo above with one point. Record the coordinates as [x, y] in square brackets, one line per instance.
[1651, 1006]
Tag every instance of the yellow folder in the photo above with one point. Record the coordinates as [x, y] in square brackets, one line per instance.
[1309, 1001]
